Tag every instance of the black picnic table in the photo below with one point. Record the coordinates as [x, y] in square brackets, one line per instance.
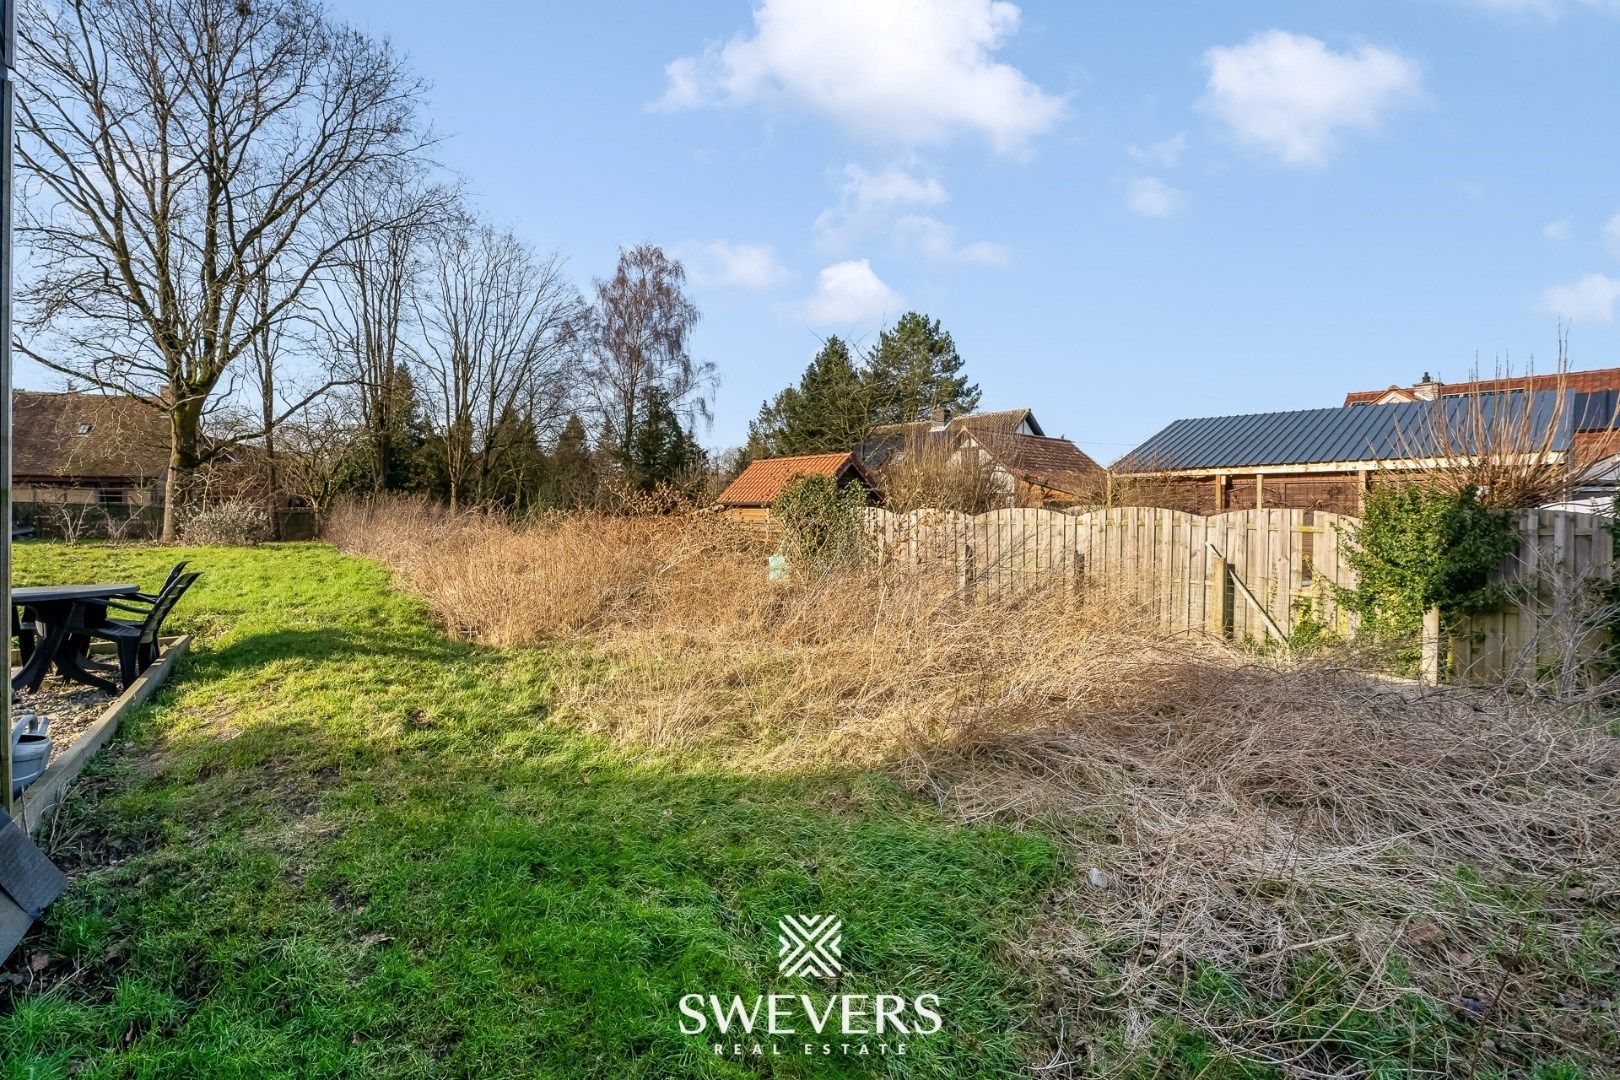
[65, 612]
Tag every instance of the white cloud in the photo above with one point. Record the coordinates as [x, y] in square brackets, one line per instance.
[903, 73]
[725, 265]
[867, 201]
[872, 204]
[1556, 230]
[1167, 152]
[1292, 96]
[934, 239]
[1153, 198]
[1590, 299]
[848, 292]
[1611, 235]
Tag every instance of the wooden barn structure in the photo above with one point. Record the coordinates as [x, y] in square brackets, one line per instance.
[1324, 459]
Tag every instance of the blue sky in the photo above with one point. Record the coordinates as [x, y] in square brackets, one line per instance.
[1124, 213]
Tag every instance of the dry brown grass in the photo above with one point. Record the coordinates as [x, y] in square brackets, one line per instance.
[702, 649]
[1422, 846]
[1433, 875]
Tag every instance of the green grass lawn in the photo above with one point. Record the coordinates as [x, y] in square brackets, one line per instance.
[341, 844]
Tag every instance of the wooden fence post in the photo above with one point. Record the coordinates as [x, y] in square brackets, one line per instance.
[1225, 611]
[1430, 665]
[967, 567]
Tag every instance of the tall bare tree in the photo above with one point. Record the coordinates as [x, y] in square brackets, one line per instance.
[498, 337]
[369, 293]
[178, 153]
[640, 341]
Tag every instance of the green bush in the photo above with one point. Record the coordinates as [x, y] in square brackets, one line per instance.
[1418, 548]
[822, 524]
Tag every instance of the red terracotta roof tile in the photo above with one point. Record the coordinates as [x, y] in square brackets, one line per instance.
[763, 480]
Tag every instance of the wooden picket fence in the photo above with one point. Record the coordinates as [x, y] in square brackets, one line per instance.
[1557, 581]
[1247, 574]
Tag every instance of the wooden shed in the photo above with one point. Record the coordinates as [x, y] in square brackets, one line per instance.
[1319, 459]
[749, 497]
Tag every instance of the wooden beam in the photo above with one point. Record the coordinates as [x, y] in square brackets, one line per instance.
[1254, 602]
[1429, 666]
[1390, 465]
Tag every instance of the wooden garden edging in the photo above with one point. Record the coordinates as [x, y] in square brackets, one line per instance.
[46, 793]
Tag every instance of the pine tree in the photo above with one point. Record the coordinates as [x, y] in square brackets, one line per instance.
[825, 413]
[512, 464]
[661, 450]
[572, 477]
[915, 369]
[395, 454]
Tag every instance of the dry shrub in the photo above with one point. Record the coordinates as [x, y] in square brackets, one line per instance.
[941, 471]
[854, 659]
[1340, 848]
[1335, 846]
[1491, 440]
[229, 523]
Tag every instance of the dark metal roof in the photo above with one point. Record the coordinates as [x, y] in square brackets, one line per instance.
[1349, 433]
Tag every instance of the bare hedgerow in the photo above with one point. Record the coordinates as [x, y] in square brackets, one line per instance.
[227, 522]
[1495, 441]
[932, 471]
[1298, 868]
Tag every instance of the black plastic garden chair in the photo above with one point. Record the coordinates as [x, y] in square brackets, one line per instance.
[137, 640]
[174, 575]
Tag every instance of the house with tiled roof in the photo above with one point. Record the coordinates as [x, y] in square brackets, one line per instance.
[749, 497]
[1030, 467]
[92, 448]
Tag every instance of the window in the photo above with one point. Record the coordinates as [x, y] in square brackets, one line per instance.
[84, 429]
[112, 497]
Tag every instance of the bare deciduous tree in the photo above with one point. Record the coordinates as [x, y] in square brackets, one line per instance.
[640, 340]
[369, 291]
[178, 153]
[499, 329]
[319, 450]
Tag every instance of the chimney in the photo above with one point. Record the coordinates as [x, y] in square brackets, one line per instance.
[1427, 390]
[942, 414]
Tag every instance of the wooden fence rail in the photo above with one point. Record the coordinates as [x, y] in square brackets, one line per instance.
[1244, 574]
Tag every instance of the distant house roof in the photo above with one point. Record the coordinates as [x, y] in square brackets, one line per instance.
[763, 480]
[886, 439]
[92, 437]
[1052, 463]
[1350, 434]
[1573, 382]
[1007, 420]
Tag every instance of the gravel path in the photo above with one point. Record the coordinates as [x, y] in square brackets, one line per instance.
[71, 707]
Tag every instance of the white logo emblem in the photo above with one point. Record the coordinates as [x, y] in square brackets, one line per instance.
[810, 945]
